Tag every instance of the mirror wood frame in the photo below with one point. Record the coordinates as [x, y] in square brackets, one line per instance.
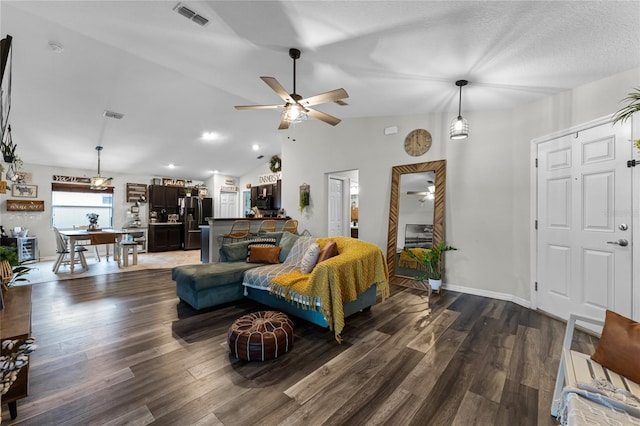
[440, 169]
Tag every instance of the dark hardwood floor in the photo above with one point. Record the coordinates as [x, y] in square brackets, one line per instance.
[120, 349]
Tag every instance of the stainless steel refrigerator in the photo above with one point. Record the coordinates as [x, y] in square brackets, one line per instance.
[194, 212]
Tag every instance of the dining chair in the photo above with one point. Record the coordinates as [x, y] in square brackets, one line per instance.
[87, 242]
[290, 225]
[63, 250]
[240, 230]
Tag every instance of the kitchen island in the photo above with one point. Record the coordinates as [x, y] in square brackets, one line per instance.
[212, 234]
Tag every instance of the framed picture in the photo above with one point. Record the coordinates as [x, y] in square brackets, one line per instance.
[26, 191]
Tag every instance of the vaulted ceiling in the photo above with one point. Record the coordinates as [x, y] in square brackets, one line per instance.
[174, 79]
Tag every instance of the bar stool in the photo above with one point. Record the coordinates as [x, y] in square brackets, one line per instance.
[290, 226]
[266, 226]
[125, 247]
[240, 230]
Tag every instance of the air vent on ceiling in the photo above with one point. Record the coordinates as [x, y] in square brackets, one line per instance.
[111, 114]
[260, 157]
[191, 15]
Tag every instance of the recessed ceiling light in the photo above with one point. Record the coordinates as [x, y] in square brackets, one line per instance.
[171, 166]
[209, 136]
[215, 172]
[255, 147]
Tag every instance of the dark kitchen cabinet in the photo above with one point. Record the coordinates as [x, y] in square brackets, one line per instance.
[271, 190]
[165, 237]
[164, 197]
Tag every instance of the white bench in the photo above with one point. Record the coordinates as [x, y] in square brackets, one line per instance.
[125, 246]
[576, 367]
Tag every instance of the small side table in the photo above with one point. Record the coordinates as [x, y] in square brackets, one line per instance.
[125, 246]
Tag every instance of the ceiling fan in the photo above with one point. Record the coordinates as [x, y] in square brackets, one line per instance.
[296, 108]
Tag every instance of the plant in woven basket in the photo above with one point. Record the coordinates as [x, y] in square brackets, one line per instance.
[11, 269]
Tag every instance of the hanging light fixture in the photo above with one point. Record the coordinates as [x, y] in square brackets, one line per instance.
[459, 126]
[99, 182]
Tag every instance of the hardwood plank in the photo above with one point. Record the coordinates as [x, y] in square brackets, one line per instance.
[121, 349]
[518, 406]
[475, 410]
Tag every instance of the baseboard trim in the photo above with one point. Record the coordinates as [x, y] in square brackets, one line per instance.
[488, 293]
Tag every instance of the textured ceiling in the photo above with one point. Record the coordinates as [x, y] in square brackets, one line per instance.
[173, 79]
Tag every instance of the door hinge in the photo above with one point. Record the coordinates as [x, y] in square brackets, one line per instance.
[536, 285]
[536, 163]
[536, 224]
[631, 163]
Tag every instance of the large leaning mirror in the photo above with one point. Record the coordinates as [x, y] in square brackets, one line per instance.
[416, 215]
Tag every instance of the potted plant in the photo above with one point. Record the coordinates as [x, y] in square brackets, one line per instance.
[625, 113]
[431, 258]
[10, 263]
[8, 148]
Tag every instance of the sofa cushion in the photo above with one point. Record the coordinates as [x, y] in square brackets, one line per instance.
[328, 251]
[234, 252]
[298, 250]
[286, 242]
[310, 258]
[259, 242]
[264, 254]
[207, 275]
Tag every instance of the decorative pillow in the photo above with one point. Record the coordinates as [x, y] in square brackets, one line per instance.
[328, 251]
[259, 242]
[310, 258]
[619, 346]
[233, 252]
[264, 254]
[286, 242]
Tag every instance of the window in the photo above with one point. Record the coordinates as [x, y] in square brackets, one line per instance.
[71, 203]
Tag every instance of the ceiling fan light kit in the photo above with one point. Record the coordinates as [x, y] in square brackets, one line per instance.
[296, 108]
[459, 126]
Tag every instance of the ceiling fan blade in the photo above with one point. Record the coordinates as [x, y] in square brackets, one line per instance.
[284, 123]
[417, 193]
[322, 98]
[277, 87]
[329, 119]
[257, 106]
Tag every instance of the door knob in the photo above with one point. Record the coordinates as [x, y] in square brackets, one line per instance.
[621, 242]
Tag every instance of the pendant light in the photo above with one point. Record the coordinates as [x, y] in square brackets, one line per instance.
[98, 182]
[459, 126]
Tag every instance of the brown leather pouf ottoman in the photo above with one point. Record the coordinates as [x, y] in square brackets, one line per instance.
[260, 336]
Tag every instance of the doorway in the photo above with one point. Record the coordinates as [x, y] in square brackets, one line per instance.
[583, 255]
[340, 203]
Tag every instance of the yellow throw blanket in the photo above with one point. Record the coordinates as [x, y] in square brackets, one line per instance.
[337, 280]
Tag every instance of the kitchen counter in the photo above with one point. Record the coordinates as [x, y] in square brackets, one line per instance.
[164, 223]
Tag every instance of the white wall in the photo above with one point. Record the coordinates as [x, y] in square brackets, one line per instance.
[488, 196]
[39, 223]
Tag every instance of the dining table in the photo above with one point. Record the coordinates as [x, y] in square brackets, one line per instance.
[96, 237]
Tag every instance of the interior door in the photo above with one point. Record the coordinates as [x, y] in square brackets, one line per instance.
[228, 204]
[584, 247]
[336, 203]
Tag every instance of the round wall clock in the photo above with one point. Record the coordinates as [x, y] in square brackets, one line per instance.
[417, 142]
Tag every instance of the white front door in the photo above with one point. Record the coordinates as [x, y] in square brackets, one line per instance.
[584, 208]
[336, 206]
[228, 204]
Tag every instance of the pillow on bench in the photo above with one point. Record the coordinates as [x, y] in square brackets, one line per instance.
[619, 346]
